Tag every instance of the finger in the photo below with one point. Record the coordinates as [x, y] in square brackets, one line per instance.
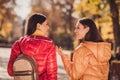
[57, 48]
[60, 49]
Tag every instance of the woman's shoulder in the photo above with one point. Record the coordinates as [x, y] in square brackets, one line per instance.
[42, 38]
[35, 39]
[96, 45]
[81, 48]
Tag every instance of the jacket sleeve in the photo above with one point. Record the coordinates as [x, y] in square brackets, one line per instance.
[52, 64]
[77, 67]
[14, 53]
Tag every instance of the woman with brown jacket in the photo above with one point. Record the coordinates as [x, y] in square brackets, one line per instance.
[90, 57]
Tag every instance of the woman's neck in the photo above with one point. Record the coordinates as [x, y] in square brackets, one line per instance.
[38, 33]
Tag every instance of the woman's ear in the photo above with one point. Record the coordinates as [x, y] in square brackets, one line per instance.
[38, 26]
[87, 29]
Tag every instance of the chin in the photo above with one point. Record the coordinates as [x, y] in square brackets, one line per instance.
[46, 35]
[77, 38]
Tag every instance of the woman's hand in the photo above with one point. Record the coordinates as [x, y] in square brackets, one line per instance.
[60, 51]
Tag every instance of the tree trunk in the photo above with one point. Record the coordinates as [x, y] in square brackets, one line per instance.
[116, 26]
[70, 18]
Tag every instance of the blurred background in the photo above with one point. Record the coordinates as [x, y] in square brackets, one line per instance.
[62, 16]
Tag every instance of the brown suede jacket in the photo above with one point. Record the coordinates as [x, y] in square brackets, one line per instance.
[90, 61]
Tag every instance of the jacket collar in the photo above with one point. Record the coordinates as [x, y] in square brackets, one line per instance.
[38, 33]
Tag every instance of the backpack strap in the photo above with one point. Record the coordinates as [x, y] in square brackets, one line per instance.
[20, 47]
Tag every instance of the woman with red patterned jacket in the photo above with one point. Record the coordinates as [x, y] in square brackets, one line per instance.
[37, 44]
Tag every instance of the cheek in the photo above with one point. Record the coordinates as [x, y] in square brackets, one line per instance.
[43, 28]
[46, 29]
[80, 34]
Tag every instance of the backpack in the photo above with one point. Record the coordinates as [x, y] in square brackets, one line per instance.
[25, 68]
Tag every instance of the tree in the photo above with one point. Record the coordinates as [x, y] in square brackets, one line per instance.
[6, 20]
[116, 26]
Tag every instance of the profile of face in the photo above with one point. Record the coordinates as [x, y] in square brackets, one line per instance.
[44, 27]
[80, 30]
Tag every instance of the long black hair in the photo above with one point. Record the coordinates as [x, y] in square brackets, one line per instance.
[32, 22]
[93, 34]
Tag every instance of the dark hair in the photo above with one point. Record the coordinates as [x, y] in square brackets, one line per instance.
[93, 34]
[32, 22]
